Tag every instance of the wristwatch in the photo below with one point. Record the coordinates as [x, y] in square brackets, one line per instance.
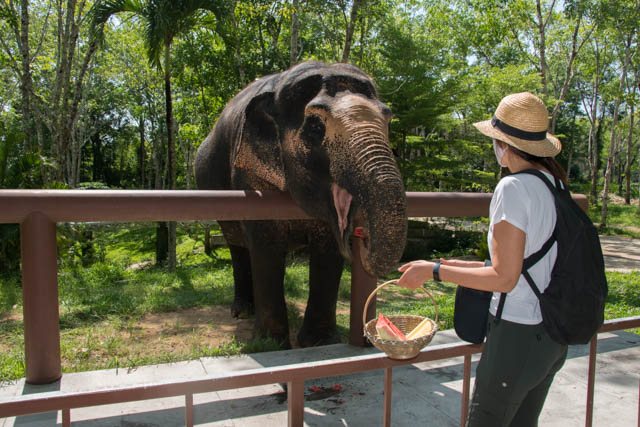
[436, 269]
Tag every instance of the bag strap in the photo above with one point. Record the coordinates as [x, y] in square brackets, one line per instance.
[503, 297]
[533, 259]
[554, 189]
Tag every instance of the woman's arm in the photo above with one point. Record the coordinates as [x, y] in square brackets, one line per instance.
[507, 248]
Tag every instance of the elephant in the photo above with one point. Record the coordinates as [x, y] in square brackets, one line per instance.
[319, 132]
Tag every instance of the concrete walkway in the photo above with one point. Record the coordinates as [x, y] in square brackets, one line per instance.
[423, 394]
[620, 253]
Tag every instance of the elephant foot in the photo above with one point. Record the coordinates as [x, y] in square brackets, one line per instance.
[242, 309]
[316, 337]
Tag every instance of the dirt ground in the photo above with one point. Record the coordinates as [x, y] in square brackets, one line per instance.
[212, 325]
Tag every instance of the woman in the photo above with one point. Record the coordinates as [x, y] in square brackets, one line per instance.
[519, 359]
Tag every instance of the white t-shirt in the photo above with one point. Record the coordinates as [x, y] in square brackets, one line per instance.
[525, 202]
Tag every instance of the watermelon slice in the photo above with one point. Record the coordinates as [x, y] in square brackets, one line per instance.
[387, 330]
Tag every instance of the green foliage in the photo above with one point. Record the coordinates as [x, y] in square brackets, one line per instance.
[9, 247]
[10, 290]
[624, 295]
[440, 242]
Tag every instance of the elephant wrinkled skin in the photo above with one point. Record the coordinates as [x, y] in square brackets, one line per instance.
[319, 132]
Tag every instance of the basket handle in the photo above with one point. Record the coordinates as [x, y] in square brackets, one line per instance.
[375, 291]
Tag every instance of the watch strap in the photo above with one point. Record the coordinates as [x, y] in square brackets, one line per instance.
[436, 271]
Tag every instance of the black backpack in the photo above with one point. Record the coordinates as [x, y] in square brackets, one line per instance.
[572, 305]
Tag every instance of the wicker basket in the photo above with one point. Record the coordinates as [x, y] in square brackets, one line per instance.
[405, 322]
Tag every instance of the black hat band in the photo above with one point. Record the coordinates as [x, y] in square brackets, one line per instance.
[518, 133]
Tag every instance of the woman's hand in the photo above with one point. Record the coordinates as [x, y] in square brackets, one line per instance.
[415, 273]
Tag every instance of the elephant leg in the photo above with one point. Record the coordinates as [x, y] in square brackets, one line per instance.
[242, 306]
[268, 248]
[325, 271]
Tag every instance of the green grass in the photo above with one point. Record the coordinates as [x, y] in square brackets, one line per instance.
[108, 289]
[622, 220]
[624, 295]
[101, 303]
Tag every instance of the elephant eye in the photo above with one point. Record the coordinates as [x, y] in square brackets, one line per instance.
[313, 129]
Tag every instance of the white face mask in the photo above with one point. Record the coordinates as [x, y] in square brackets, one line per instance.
[499, 151]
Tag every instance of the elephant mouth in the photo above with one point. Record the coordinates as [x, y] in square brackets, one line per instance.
[342, 203]
[349, 221]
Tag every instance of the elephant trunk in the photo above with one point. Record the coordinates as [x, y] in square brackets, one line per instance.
[382, 210]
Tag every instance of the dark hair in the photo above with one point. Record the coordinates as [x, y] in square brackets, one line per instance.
[549, 163]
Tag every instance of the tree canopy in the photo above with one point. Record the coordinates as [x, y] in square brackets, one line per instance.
[85, 83]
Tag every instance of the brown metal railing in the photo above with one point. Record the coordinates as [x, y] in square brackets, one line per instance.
[38, 211]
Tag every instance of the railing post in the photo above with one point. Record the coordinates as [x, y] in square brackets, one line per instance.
[362, 284]
[188, 410]
[40, 299]
[295, 403]
[388, 384]
[593, 348]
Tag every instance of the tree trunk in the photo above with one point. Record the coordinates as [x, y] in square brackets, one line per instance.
[26, 86]
[612, 149]
[542, 23]
[596, 155]
[236, 42]
[595, 124]
[569, 163]
[568, 73]
[293, 56]
[627, 170]
[350, 28]
[207, 240]
[363, 32]
[171, 148]
[31, 120]
[142, 154]
[67, 92]
[162, 238]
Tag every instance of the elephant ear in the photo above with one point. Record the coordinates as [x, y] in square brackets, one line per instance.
[258, 152]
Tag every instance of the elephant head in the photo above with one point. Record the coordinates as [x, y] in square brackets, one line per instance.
[324, 137]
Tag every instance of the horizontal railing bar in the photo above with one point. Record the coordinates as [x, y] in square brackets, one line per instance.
[22, 405]
[52, 401]
[200, 205]
[144, 205]
[620, 324]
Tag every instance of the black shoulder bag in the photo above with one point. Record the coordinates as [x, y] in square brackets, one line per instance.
[471, 311]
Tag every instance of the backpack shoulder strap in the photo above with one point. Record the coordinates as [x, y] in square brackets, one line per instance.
[554, 189]
[532, 259]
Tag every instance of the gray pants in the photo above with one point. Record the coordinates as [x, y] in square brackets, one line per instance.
[513, 377]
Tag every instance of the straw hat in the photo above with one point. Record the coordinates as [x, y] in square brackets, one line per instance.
[521, 120]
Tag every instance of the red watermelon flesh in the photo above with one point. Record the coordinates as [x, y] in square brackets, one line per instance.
[387, 330]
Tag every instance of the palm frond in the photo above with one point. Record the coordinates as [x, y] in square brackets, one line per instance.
[102, 10]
